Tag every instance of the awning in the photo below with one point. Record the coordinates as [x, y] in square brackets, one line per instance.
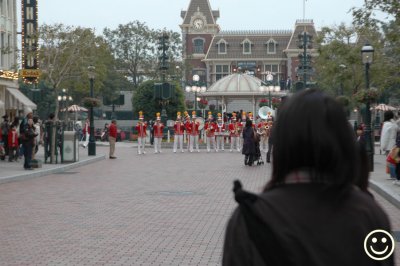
[20, 99]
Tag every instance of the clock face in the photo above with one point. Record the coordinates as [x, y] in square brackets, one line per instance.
[198, 23]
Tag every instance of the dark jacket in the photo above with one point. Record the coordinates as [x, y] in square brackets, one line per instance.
[249, 146]
[29, 135]
[308, 228]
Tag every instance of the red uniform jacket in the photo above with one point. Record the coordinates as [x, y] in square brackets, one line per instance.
[210, 129]
[188, 127]
[141, 129]
[112, 130]
[158, 130]
[12, 139]
[221, 128]
[179, 127]
[234, 129]
[194, 128]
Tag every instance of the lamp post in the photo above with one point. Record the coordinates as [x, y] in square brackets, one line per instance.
[269, 87]
[92, 143]
[342, 68]
[195, 88]
[367, 53]
[64, 99]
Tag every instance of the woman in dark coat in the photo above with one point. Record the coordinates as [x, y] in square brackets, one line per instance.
[249, 145]
[28, 142]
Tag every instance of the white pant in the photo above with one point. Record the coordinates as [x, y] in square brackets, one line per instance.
[141, 145]
[178, 138]
[235, 141]
[209, 141]
[220, 142]
[194, 140]
[264, 143]
[157, 145]
[86, 140]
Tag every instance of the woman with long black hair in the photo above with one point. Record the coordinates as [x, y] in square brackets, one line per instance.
[249, 144]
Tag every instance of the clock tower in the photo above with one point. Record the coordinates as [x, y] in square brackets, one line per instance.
[198, 28]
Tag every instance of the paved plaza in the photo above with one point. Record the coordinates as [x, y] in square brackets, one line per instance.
[153, 209]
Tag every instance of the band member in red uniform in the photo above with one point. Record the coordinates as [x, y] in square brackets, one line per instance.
[158, 133]
[179, 128]
[234, 132]
[210, 127]
[220, 133]
[141, 129]
[194, 135]
[188, 129]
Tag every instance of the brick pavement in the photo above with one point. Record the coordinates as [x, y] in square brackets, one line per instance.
[154, 209]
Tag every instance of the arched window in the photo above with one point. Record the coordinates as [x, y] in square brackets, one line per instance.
[222, 47]
[271, 47]
[198, 46]
[246, 46]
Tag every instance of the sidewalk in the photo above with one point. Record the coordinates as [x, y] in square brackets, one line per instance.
[14, 171]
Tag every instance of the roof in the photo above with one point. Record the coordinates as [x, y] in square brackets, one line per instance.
[238, 84]
[258, 40]
[301, 26]
[202, 6]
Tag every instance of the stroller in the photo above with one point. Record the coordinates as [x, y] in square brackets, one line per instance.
[257, 156]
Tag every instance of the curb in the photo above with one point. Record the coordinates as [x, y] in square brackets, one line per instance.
[51, 171]
[380, 189]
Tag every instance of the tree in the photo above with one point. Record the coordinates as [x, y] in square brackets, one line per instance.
[143, 100]
[134, 46]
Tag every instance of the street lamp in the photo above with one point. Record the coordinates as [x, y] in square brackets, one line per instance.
[92, 143]
[367, 54]
[64, 99]
[270, 87]
[342, 68]
[195, 87]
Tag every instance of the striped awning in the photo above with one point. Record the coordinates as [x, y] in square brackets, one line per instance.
[75, 108]
[17, 100]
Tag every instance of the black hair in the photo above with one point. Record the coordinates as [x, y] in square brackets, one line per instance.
[51, 116]
[35, 119]
[388, 115]
[312, 134]
[249, 123]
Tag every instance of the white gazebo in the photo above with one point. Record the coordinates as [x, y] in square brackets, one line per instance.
[241, 91]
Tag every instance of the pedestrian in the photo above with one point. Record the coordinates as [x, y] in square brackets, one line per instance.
[270, 139]
[249, 145]
[310, 212]
[28, 139]
[13, 144]
[392, 160]
[389, 132]
[5, 127]
[37, 129]
[112, 137]
[86, 132]
[47, 135]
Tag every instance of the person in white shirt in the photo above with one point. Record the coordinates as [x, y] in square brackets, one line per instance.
[389, 132]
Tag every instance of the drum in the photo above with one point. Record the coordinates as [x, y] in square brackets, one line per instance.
[200, 120]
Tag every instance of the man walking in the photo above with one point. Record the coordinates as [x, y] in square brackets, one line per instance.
[112, 137]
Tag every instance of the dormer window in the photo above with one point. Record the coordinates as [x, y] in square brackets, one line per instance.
[222, 47]
[198, 46]
[271, 47]
[246, 46]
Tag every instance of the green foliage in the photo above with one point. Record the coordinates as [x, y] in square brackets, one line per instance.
[143, 100]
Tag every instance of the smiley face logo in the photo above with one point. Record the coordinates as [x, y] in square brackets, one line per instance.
[379, 244]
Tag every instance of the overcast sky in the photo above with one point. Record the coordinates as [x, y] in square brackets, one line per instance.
[158, 14]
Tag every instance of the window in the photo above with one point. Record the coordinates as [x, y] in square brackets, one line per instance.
[221, 71]
[246, 44]
[271, 47]
[222, 47]
[198, 46]
[2, 7]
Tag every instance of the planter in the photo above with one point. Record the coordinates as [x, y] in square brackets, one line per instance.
[366, 96]
[91, 102]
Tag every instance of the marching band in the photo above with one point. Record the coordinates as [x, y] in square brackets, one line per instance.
[215, 132]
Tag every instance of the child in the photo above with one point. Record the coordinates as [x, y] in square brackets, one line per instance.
[12, 144]
[392, 160]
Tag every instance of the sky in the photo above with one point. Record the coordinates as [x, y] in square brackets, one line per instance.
[159, 14]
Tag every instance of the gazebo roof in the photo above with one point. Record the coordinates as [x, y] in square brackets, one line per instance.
[235, 84]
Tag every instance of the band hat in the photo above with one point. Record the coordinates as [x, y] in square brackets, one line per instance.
[210, 115]
[158, 116]
[178, 115]
[141, 117]
[194, 114]
[234, 116]
[219, 116]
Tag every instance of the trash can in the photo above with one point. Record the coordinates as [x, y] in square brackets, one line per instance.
[70, 147]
